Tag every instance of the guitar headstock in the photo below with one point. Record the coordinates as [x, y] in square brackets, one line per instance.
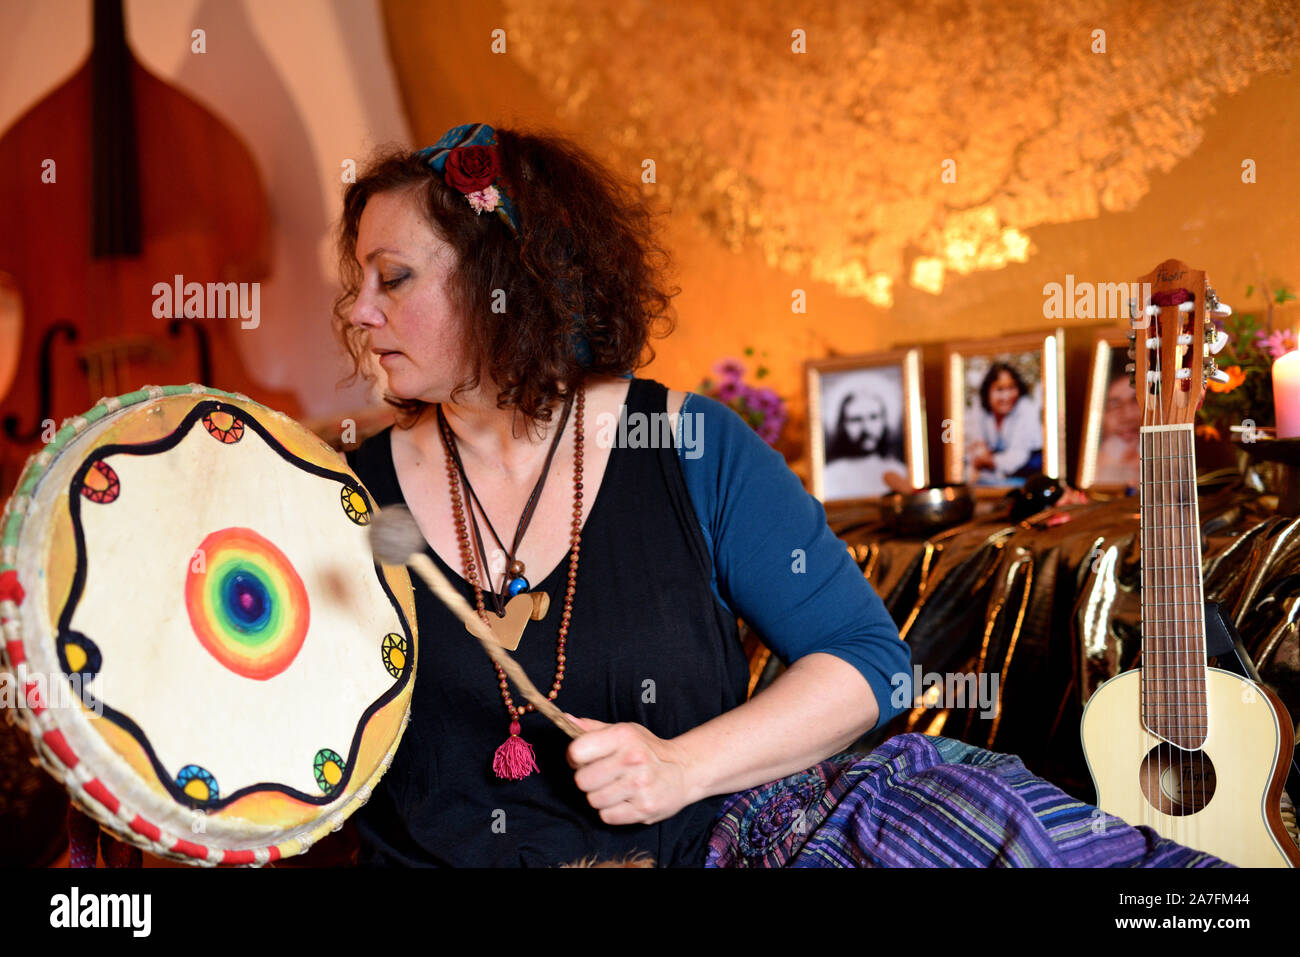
[1173, 334]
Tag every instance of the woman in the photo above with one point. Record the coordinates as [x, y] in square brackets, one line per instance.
[504, 337]
[1005, 431]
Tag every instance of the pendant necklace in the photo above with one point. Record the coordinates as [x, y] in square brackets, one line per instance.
[514, 759]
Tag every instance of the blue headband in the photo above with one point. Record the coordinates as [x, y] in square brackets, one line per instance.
[475, 164]
[473, 155]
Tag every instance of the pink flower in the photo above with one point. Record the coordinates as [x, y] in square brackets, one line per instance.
[484, 200]
[728, 390]
[1278, 344]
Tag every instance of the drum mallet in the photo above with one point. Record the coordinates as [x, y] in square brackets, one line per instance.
[396, 539]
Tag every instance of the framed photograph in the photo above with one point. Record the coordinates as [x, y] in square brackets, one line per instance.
[1005, 409]
[866, 418]
[1108, 455]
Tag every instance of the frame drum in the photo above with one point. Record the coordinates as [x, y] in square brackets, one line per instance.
[205, 653]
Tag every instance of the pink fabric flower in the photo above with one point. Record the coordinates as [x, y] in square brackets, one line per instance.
[484, 200]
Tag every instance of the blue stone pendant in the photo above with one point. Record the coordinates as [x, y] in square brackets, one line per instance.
[516, 585]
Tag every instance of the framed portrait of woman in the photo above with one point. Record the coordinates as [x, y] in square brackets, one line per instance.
[1108, 455]
[866, 418]
[1005, 409]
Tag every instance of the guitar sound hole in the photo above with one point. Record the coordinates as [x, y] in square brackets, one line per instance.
[1177, 782]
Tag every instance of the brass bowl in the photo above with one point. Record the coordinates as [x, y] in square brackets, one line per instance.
[930, 510]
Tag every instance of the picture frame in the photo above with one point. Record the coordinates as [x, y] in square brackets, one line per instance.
[996, 389]
[1109, 458]
[866, 417]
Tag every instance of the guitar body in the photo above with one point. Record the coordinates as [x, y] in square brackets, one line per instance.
[1249, 742]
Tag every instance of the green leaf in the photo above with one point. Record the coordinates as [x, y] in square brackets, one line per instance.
[1282, 296]
[749, 350]
[762, 371]
[1250, 290]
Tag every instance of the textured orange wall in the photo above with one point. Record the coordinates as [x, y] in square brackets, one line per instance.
[1199, 212]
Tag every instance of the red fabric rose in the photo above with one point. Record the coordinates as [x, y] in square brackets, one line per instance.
[471, 168]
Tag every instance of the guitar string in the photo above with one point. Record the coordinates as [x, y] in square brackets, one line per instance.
[1148, 535]
[1197, 333]
[1176, 492]
[1145, 529]
[1142, 359]
[1185, 700]
[1160, 533]
[1172, 715]
[1169, 700]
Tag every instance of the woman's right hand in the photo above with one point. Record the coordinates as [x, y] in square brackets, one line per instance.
[981, 457]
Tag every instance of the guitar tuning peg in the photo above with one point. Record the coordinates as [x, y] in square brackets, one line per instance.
[1132, 335]
[1132, 352]
[1212, 303]
[1131, 369]
[1220, 340]
[1218, 375]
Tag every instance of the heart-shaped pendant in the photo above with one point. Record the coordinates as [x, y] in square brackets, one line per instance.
[519, 610]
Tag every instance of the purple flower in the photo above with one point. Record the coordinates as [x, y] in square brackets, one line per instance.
[770, 430]
[728, 390]
[731, 370]
[771, 402]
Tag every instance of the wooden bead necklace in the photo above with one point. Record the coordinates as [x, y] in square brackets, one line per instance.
[514, 759]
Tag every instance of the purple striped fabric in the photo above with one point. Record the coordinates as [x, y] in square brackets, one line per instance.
[919, 801]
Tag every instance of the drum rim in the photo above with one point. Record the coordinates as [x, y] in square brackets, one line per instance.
[53, 749]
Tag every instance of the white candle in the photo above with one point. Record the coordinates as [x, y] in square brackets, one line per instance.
[1286, 395]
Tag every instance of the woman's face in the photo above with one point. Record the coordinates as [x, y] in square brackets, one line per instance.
[1003, 394]
[403, 304]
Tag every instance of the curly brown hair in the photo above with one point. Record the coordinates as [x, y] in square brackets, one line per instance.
[586, 246]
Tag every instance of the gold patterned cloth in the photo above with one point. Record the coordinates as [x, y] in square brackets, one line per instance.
[1051, 607]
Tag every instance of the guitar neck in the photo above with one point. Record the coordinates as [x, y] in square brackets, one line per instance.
[1173, 611]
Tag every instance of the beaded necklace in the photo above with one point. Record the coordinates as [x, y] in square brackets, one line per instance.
[514, 759]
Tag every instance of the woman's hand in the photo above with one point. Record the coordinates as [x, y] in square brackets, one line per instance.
[981, 457]
[630, 775]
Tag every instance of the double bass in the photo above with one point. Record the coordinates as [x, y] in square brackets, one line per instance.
[115, 184]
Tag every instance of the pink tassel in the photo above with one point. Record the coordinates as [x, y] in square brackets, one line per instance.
[514, 759]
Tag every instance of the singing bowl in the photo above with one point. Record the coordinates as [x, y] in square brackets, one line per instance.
[930, 510]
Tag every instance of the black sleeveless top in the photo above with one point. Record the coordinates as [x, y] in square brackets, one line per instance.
[648, 643]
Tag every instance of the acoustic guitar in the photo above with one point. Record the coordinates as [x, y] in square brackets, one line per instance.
[1196, 753]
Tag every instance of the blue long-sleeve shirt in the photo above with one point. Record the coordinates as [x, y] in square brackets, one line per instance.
[777, 564]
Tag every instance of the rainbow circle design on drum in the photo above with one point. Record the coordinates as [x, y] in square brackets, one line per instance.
[246, 603]
[191, 604]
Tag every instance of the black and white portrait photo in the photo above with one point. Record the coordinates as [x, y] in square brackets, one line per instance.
[862, 407]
